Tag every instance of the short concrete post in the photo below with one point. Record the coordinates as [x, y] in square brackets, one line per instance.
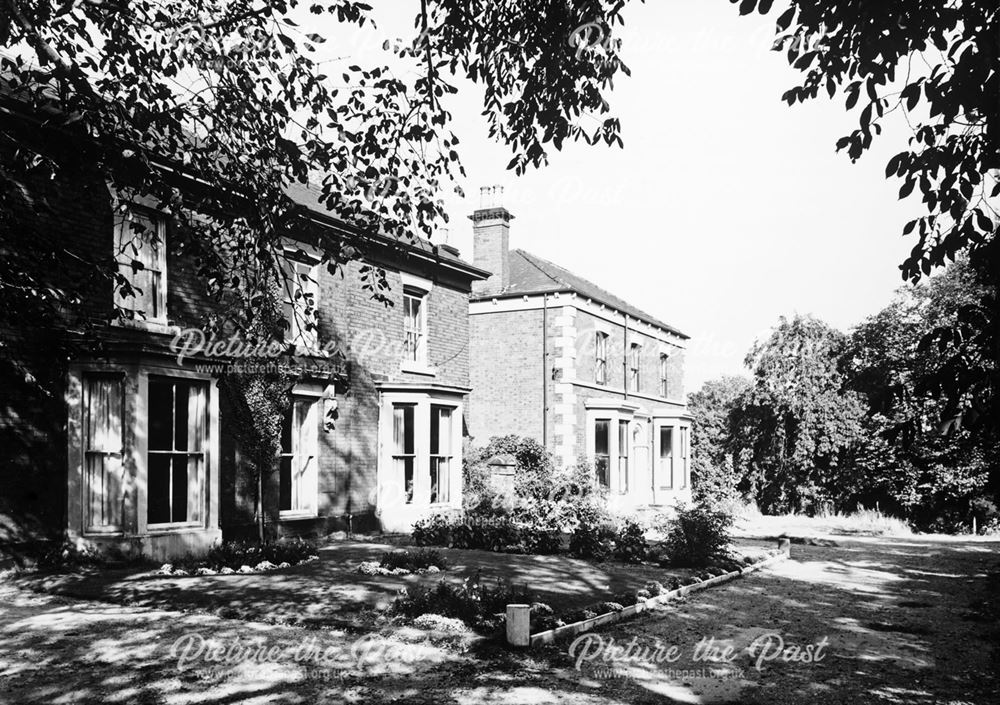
[519, 625]
[785, 546]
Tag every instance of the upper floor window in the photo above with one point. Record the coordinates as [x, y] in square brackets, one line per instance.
[664, 375]
[633, 367]
[141, 253]
[601, 358]
[414, 325]
[300, 299]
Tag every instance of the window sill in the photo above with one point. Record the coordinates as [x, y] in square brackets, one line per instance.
[418, 368]
[148, 326]
[173, 528]
[291, 515]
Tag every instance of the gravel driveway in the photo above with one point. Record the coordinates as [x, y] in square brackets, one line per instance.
[887, 620]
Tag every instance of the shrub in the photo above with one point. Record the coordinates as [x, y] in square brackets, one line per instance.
[481, 606]
[420, 559]
[435, 530]
[594, 534]
[698, 536]
[235, 554]
[630, 543]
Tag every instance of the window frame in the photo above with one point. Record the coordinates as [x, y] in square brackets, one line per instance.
[605, 456]
[634, 367]
[601, 345]
[159, 222]
[205, 443]
[624, 441]
[664, 375]
[301, 270]
[409, 489]
[445, 453]
[118, 380]
[310, 475]
[418, 354]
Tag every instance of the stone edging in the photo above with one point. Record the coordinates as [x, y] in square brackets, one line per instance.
[547, 637]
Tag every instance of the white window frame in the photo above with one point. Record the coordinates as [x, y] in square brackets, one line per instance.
[445, 455]
[111, 452]
[634, 367]
[304, 432]
[601, 345]
[199, 494]
[125, 252]
[664, 375]
[299, 286]
[415, 354]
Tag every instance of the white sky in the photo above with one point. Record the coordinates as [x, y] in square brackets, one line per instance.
[725, 209]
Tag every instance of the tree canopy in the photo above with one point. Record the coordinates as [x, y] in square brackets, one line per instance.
[937, 65]
[233, 94]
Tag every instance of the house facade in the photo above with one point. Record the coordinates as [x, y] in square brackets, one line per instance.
[111, 437]
[561, 360]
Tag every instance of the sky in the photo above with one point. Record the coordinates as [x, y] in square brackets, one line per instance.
[725, 209]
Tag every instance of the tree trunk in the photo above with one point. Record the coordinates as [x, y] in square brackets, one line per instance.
[260, 502]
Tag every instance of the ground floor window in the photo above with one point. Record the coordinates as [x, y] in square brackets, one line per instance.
[299, 456]
[440, 453]
[404, 449]
[602, 451]
[666, 458]
[178, 437]
[623, 457]
[103, 397]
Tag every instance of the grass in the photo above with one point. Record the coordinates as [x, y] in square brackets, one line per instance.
[864, 522]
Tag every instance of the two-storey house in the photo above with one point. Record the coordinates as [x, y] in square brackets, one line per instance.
[559, 359]
[108, 436]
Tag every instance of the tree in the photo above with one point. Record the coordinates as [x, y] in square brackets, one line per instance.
[713, 470]
[795, 428]
[935, 63]
[910, 467]
[157, 95]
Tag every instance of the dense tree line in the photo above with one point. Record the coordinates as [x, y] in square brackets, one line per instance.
[832, 420]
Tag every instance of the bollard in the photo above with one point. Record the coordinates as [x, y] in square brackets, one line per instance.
[519, 625]
[785, 546]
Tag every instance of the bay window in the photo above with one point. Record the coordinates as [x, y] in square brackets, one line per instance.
[103, 441]
[602, 451]
[440, 453]
[178, 435]
[404, 451]
[623, 457]
[666, 473]
[297, 482]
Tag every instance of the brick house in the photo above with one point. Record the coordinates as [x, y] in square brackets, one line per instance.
[559, 359]
[109, 438]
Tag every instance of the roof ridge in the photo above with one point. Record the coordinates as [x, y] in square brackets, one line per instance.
[534, 261]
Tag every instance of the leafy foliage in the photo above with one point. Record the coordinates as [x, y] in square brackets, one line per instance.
[421, 558]
[594, 534]
[481, 606]
[234, 554]
[630, 543]
[795, 427]
[713, 469]
[698, 536]
[213, 111]
[935, 64]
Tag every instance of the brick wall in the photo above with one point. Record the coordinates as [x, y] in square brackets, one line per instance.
[507, 397]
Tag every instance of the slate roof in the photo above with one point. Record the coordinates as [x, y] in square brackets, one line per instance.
[531, 275]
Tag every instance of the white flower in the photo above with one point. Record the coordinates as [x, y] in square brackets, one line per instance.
[369, 568]
[166, 569]
[265, 565]
[284, 564]
[206, 571]
[433, 569]
[226, 570]
[245, 569]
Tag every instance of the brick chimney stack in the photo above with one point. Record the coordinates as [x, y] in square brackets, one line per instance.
[491, 240]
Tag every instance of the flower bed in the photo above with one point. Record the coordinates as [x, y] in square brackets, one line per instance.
[231, 557]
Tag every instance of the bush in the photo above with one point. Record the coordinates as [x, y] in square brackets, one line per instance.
[234, 554]
[698, 536]
[594, 534]
[630, 543]
[481, 606]
[420, 559]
